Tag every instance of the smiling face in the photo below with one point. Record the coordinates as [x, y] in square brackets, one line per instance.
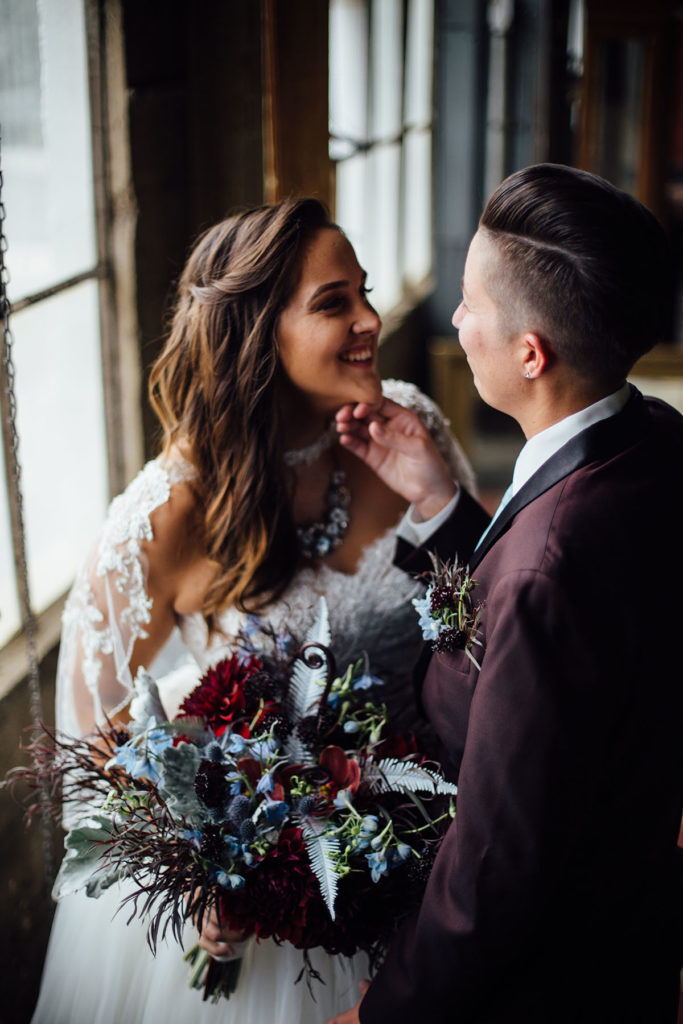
[328, 331]
[493, 348]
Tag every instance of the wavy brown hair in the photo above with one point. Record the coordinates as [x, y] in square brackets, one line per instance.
[214, 388]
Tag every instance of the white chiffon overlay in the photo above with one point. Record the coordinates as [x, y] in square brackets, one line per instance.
[99, 969]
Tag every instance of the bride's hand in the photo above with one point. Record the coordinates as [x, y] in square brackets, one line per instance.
[217, 939]
[394, 443]
[351, 1016]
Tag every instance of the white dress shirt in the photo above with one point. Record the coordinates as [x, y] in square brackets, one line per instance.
[537, 450]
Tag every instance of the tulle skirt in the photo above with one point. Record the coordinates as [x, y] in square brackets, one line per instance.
[99, 970]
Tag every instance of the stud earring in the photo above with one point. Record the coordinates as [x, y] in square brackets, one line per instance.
[527, 375]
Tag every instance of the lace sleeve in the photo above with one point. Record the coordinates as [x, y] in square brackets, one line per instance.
[410, 396]
[109, 608]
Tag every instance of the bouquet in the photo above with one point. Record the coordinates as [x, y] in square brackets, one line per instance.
[277, 797]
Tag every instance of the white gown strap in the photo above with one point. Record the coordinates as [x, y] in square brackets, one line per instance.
[410, 396]
[109, 607]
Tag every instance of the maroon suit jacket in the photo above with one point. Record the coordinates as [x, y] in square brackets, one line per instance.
[556, 894]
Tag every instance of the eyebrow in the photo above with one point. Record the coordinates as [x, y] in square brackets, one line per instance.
[331, 285]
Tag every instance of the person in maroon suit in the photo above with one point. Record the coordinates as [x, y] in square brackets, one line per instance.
[555, 897]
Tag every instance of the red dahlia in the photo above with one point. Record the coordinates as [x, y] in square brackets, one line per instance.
[219, 699]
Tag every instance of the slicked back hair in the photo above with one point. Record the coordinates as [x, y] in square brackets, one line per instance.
[583, 264]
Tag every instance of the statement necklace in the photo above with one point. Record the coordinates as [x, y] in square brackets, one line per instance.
[305, 456]
[318, 539]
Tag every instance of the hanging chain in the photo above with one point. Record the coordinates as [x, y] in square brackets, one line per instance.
[11, 449]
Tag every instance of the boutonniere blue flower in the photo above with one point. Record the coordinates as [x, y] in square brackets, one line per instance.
[449, 619]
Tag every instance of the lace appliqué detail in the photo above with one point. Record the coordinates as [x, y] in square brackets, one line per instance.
[109, 608]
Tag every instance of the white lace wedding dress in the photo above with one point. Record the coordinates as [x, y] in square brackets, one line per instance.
[99, 970]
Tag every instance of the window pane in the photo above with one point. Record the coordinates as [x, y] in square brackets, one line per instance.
[419, 62]
[417, 193]
[47, 162]
[61, 427]
[387, 68]
[348, 86]
[352, 186]
[620, 106]
[382, 214]
[10, 619]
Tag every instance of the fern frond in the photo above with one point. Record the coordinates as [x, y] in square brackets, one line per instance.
[307, 683]
[323, 851]
[392, 775]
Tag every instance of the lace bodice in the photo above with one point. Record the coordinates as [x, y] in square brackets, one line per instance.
[109, 607]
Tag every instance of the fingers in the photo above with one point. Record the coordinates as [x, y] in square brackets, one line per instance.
[218, 950]
[351, 1016]
[218, 939]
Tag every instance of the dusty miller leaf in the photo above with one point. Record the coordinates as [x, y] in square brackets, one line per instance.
[83, 866]
[180, 766]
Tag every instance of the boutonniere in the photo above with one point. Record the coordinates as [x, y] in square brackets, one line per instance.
[449, 619]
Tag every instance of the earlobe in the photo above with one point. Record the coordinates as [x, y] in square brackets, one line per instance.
[537, 356]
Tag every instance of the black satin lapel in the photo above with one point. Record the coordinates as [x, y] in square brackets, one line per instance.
[595, 443]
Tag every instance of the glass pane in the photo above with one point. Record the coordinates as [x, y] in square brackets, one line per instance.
[10, 619]
[387, 68]
[620, 112]
[350, 208]
[47, 162]
[382, 215]
[61, 427]
[419, 62]
[417, 198]
[348, 84]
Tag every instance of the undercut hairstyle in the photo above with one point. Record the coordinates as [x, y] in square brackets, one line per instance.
[583, 264]
[215, 389]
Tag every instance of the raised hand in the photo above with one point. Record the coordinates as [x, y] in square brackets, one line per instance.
[394, 443]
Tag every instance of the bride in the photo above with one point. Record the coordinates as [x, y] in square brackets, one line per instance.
[252, 507]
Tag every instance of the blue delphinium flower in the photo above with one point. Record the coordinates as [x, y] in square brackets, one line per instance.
[263, 749]
[230, 881]
[276, 811]
[265, 783]
[377, 862]
[140, 759]
[195, 837]
[343, 798]
[235, 781]
[236, 744]
[365, 681]
[430, 627]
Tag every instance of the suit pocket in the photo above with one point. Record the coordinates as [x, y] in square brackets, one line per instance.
[447, 693]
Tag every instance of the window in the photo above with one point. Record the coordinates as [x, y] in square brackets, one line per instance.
[55, 290]
[381, 69]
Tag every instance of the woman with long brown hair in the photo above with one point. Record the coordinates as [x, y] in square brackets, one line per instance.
[251, 508]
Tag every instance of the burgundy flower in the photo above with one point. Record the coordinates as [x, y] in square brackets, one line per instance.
[396, 746]
[219, 698]
[282, 899]
[344, 772]
[209, 783]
